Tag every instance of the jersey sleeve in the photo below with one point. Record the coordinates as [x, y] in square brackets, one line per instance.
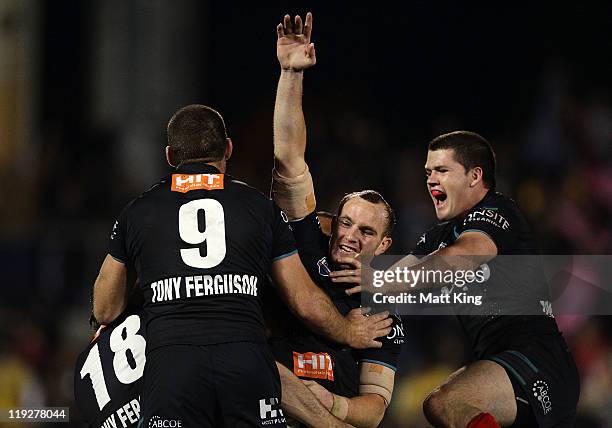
[283, 243]
[494, 220]
[310, 240]
[427, 243]
[118, 236]
[388, 355]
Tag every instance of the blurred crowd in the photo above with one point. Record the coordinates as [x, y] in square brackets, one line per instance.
[556, 162]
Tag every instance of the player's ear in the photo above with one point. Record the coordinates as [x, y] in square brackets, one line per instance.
[229, 148]
[169, 157]
[334, 223]
[475, 176]
[383, 246]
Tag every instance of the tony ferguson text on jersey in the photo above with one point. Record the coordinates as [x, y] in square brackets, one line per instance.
[202, 285]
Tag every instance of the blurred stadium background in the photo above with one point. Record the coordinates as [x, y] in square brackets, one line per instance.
[86, 88]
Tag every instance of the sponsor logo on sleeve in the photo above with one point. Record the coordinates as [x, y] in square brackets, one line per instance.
[313, 365]
[540, 391]
[184, 183]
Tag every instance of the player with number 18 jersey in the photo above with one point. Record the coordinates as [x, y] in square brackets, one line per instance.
[108, 373]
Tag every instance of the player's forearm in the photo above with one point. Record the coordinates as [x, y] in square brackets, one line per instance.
[413, 274]
[316, 310]
[110, 291]
[299, 403]
[289, 125]
[364, 411]
[107, 305]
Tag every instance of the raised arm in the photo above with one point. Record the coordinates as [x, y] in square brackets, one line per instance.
[295, 53]
[314, 308]
[292, 186]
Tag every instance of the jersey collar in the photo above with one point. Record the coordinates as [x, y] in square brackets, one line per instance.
[197, 167]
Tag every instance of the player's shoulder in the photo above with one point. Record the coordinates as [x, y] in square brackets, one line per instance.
[249, 196]
[497, 206]
[434, 232]
[147, 197]
[232, 183]
[497, 200]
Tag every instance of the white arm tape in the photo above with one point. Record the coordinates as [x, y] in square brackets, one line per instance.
[295, 195]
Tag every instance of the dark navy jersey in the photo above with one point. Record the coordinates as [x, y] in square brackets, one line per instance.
[202, 244]
[516, 285]
[108, 374]
[313, 245]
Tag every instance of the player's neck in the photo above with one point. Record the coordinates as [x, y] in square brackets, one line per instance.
[474, 199]
[220, 165]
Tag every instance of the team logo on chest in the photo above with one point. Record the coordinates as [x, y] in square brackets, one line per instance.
[323, 267]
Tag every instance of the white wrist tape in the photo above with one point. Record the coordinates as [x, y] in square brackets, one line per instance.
[340, 407]
[295, 195]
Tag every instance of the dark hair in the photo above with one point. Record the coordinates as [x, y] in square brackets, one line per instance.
[196, 132]
[376, 198]
[470, 150]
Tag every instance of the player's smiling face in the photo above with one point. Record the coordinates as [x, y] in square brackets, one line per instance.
[448, 184]
[359, 229]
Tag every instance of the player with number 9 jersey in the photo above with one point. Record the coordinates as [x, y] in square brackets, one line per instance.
[108, 373]
[201, 244]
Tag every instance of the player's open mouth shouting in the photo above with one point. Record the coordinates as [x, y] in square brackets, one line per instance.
[439, 197]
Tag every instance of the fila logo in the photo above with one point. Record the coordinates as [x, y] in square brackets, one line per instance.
[313, 365]
[270, 412]
[183, 183]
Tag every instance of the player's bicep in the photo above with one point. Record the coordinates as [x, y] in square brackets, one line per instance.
[110, 290]
[295, 286]
[376, 379]
[289, 275]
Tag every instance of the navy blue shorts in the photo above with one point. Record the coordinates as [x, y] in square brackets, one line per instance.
[224, 385]
[545, 381]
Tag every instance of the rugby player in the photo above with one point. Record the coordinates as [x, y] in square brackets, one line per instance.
[356, 386]
[108, 373]
[202, 245]
[523, 374]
